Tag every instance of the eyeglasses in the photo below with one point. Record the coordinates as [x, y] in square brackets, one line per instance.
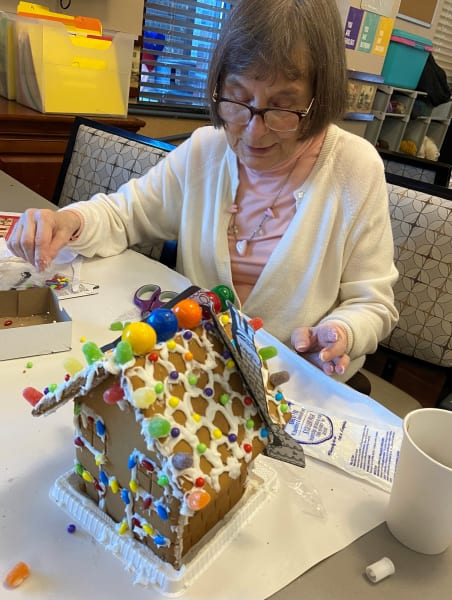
[281, 120]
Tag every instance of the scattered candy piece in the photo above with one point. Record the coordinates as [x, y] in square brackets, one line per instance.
[7, 323]
[83, 339]
[116, 326]
[17, 575]
[71, 528]
[188, 313]
[32, 395]
[29, 364]
[72, 365]
[256, 323]
[141, 336]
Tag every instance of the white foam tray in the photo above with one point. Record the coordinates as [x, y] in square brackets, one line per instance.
[147, 568]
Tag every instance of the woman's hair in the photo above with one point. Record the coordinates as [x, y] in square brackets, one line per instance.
[293, 38]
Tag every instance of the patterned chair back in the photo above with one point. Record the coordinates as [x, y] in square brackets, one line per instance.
[100, 158]
[422, 229]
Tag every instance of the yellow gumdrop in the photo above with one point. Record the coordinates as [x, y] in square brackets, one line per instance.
[141, 336]
[72, 366]
[143, 397]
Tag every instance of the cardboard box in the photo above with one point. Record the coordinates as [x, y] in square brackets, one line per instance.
[368, 25]
[32, 322]
[61, 72]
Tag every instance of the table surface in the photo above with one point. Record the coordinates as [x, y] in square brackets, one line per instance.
[341, 576]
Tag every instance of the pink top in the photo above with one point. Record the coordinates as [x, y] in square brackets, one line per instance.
[257, 191]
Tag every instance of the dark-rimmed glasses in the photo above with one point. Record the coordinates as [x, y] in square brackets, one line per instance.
[281, 120]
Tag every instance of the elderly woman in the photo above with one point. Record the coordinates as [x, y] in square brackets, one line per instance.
[274, 200]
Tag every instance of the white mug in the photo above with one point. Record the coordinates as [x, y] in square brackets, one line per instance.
[420, 505]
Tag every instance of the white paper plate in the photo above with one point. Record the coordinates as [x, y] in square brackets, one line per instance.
[146, 567]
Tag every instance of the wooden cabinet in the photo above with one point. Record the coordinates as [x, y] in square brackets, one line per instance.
[32, 144]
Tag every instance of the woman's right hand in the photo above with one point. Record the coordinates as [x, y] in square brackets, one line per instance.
[39, 235]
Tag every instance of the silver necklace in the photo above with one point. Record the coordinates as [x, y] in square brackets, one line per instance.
[241, 245]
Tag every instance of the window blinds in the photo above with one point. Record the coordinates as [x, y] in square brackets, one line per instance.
[178, 40]
[442, 39]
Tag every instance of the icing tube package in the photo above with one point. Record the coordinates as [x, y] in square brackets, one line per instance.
[361, 448]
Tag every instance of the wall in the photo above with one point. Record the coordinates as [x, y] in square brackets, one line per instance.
[127, 16]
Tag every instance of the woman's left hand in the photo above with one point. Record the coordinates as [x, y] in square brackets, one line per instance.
[324, 345]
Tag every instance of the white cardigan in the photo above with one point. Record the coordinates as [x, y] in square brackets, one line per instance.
[334, 262]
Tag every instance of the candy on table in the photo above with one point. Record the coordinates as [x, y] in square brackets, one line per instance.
[57, 282]
[17, 575]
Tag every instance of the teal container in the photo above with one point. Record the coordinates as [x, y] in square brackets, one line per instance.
[405, 59]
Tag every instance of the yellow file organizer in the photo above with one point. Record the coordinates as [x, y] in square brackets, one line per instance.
[61, 72]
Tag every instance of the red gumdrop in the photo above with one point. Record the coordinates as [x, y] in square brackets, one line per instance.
[113, 394]
[32, 395]
[256, 323]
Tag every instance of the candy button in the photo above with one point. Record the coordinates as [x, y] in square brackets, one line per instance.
[165, 323]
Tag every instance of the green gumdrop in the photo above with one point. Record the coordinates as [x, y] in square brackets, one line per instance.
[116, 326]
[159, 427]
[92, 352]
[123, 352]
[267, 352]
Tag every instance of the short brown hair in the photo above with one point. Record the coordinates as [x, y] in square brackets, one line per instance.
[267, 38]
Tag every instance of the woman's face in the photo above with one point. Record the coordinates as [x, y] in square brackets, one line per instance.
[257, 146]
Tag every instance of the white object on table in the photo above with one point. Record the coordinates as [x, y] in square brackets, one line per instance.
[420, 506]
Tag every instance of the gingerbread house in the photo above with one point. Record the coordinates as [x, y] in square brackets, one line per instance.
[165, 441]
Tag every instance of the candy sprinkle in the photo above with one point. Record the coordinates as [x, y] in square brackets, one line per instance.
[71, 528]
[17, 575]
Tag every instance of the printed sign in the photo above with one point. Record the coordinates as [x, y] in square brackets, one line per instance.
[386, 8]
[383, 36]
[352, 27]
[368, 32]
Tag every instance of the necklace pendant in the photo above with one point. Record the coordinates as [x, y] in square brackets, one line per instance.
[269, 213]
[241, 247]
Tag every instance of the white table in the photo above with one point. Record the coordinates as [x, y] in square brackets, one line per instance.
[35, 451]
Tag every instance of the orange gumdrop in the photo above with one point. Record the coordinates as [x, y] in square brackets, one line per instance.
[17, 575]
[198, 499]
[188, 313]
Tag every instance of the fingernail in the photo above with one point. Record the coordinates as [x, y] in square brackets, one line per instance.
[322, 356]
[42, 264]
[301, 347]
[340, 370]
